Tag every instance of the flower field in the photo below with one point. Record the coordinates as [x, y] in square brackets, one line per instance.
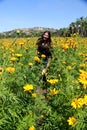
[23, 103]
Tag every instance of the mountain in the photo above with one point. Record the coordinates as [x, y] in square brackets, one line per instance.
[35, 31]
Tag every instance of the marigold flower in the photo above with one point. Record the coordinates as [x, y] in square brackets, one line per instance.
[77, 103]
[18, 55]
[63, 62]
[53, 91]
[52, 81]
[69, 67]
[30, 64]
[85, 59]
[83, 78]
[81, 53]
[74, 45]
[43, 56]
[81, 102]
[28, 87]
[83, 65]
[64, 46]
[34, 94]
[13, 59]
[72, 120]
[36, 59]
[12, 50]
[0, 73]
[21, 43]
[32, 128]
[10, 69]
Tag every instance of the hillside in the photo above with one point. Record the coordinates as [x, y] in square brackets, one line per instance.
[35, 31]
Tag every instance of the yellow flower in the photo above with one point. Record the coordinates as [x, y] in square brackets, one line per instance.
[28, 87]
[69, 67]
[34, 94]
[85, 59]
[32, 128]
[72, 120]
[83, 65]
[36, 59]
[12, 50]
[81, 53]
[43, 56]
[81, 102]
[83, 78]
[53, 91]
[63, 62]
[64, 46]
[0, 73]
[52, 81]
[30, 64]
[77, 103]
[21, 43]
[13, 59]
[18, 55]
[10, 69]
[74, 45]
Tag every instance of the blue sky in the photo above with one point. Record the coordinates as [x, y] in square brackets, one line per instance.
[17, 14]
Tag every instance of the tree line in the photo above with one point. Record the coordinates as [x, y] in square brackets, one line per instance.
[78, 27]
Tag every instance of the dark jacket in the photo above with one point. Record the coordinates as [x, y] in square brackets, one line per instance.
[44, 47]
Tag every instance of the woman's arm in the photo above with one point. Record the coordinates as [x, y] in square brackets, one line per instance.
[48, 64]
[44, 71]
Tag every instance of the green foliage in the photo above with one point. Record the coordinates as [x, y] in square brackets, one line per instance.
[20, 109]
[9, 109]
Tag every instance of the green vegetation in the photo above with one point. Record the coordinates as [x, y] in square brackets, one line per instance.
[23, 105]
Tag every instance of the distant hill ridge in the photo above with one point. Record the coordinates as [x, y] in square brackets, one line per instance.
[31, 29]
[34, 31]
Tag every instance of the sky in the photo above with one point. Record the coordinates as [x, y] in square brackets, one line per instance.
[18, 14]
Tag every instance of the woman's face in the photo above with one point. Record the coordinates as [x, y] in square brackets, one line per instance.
[45, 36]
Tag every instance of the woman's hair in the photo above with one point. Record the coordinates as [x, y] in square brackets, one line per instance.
[40, 40]
[49, 34]
[42, 48]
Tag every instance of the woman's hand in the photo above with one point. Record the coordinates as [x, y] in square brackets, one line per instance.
[43, 71]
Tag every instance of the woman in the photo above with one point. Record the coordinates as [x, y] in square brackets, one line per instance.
[44, 47]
